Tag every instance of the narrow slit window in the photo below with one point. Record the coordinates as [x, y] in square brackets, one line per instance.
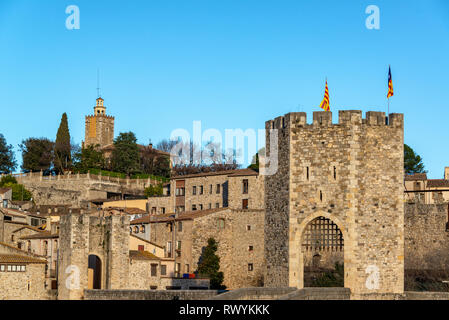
[335, 173]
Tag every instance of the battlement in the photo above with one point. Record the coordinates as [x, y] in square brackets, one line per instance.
[345, 118]
[99, 116]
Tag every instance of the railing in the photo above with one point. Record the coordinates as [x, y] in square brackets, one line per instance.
[38, 176]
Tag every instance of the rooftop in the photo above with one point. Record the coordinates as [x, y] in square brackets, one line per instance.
[142, 255]
[229, 173]
[16, 258]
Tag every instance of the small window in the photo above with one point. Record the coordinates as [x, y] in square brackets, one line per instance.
[245, 186]
[154, 270]
[201, 207]
[141, 247]
[245, 204]
[321, 196]
[178, 245]
[217, 205]
[194, 190]
[142, 229]
[201, 189]
[335, 173]
[210, 189]
[14, 268]
[220, 224]
[193, 207]
[210, 205]
[9, 268]
[187, 268]
[162, 210]
[218, 188]
[163, 270]
[250, 267]
[248, 228]
[307, 174]
[180, 226]
[250, 248]
[2, 268]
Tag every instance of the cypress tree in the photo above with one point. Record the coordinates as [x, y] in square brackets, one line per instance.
[210, 264]
[63, 148]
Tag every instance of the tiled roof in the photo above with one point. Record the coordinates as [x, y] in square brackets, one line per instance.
[437, 183]
[142, 255]
[188, 215]
[4, 190]
[29, 227]
[15, 258]
[415, 177]
[42, 235]
[127, 210]
[231, 173]
[144, 240]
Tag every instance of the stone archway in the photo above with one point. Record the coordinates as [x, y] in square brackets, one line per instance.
[297, 252]
[322, 247]
[94, 272]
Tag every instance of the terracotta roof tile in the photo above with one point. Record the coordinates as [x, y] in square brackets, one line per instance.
[142, 255]
[437, 183]
[415, 177]
[16, 258]
[42, 235]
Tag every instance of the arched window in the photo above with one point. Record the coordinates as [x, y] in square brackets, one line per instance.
[142, 229]
[136, 229]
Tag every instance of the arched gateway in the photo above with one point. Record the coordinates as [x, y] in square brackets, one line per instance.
[336, 195]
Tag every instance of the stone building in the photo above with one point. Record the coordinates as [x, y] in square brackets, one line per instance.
[337, 195]
[239, 233]
[93, 254]
[418, 188]
[99, 127]
[22, 275]
[5, 197]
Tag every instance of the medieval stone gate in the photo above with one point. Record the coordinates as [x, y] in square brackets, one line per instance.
[350, 173]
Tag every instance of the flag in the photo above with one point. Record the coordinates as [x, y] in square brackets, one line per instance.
[325, 103]
[390, 84]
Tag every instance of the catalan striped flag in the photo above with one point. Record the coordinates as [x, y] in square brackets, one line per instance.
[325, 103]
[390, 84]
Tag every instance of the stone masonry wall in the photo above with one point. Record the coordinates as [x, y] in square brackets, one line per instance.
[355, 179]
[426, 236]
[28, 285]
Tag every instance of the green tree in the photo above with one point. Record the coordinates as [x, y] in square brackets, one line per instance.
[125, 156]
[37, 154]
[209, 265]
[88, 158]
[413, 163]
[63, 159]
[162, 167]
[7, 158]
[154, 191]
[18, 191]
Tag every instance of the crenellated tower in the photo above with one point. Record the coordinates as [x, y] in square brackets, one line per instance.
[337, 196]
[99, 126]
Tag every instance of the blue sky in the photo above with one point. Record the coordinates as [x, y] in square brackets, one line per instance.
[230, 64]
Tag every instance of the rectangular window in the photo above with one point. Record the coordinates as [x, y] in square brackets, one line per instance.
[187, 268]
[193, 207]
[248, 228]
[153, 210]
[163, 270]
[2, 268]
[9, 268]
[23, 268]
[245, 186]
[210, 205]
[220, 224]
[14, 268]
[201, 189]
[141, 247]
[245, 204]
[201, 207]
[168, 249]
[180, 226]
[162, 210]
[218, 188]
[210, 189]
[250, 248]
[217, 205]
[194, 190]
[250, 267]
[154, 270]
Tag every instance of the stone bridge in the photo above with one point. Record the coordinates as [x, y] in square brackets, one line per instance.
[77, 189]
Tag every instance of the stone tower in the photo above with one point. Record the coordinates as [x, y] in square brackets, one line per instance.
[99, 126]
[93, 254]
[337, 194]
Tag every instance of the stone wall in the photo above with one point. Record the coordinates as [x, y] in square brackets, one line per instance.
[28, 285]
[255, 194]
[84, 235]
[426, 236]
[350, 173]
[150, 294]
